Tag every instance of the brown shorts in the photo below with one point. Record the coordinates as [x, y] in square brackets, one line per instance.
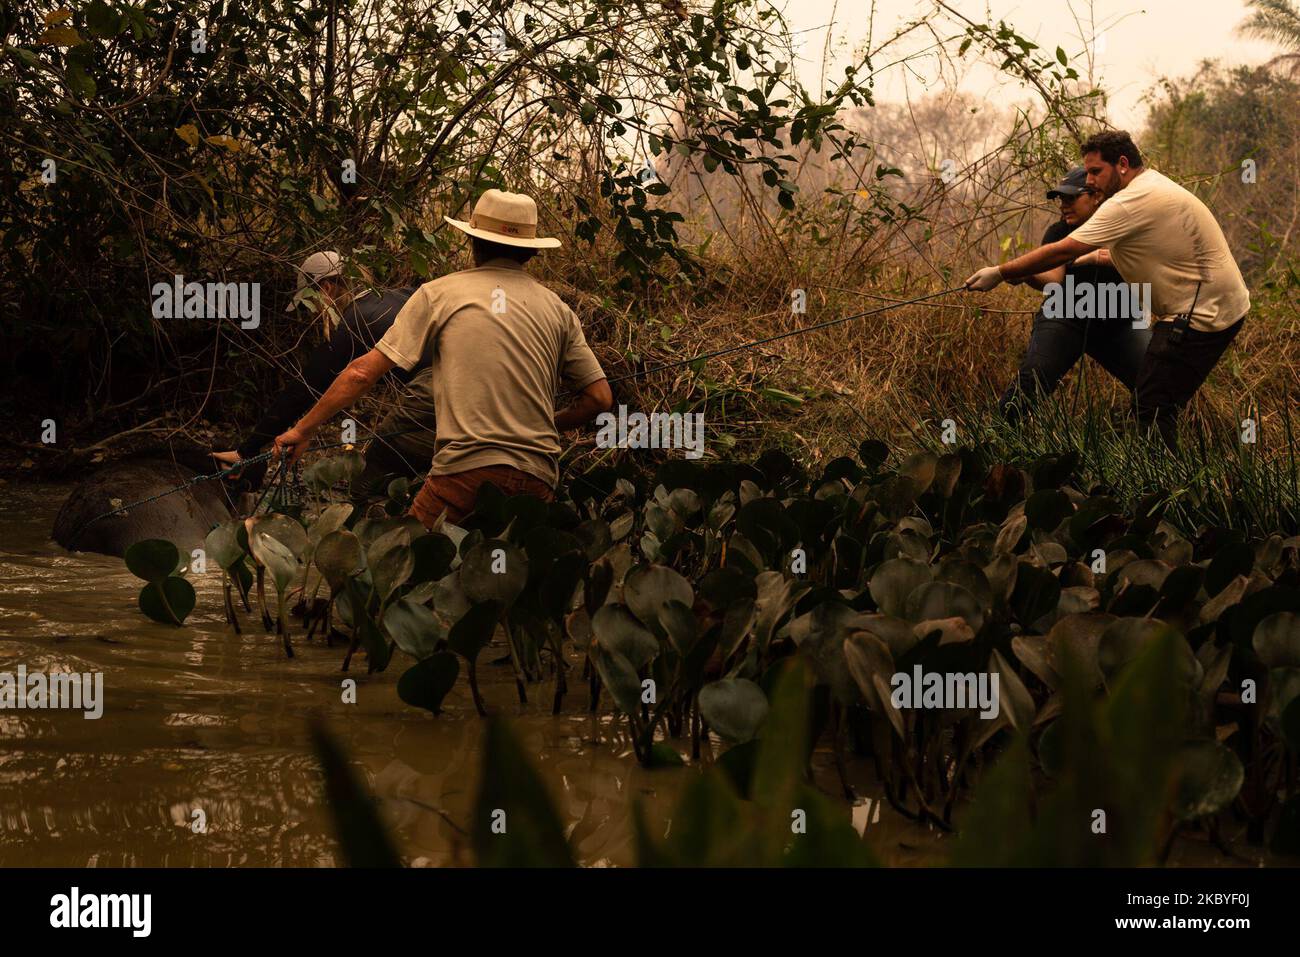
[457, 493]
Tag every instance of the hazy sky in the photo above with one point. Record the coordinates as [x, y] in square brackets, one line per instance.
[1143, 41]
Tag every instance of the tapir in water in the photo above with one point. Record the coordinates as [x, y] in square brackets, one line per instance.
[183, 518]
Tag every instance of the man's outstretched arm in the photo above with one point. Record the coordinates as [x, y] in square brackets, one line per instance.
[351, 384]
[1038, 261]
[591, 401]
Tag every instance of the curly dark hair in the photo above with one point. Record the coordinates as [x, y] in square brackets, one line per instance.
[1112, 144]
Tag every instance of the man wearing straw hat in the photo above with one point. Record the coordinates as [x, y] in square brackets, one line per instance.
[501, 346]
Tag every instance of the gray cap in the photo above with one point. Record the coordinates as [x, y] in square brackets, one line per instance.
[314, 268]
[1072, 184]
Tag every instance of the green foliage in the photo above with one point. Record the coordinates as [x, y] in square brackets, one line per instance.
[677, 588]
[166, 597]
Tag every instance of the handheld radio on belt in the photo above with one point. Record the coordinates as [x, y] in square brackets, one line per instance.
[1182, 322]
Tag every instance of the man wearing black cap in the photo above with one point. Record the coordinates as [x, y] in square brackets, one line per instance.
[1056, 343]
[1164, 239]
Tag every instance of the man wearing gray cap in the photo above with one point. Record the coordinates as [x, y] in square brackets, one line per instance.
[353, 318]
[1057, 342]
[501, 347]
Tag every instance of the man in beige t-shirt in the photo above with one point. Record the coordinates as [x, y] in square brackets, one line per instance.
[501, 346]
[1155, 233]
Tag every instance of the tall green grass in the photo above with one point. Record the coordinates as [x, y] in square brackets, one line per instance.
[1215, 479]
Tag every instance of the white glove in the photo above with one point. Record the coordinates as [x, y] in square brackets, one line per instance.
[982, 280]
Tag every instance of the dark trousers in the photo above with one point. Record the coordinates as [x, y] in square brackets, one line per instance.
[1172, 372]
[1055, 345]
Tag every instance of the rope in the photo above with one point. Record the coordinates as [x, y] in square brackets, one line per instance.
[220, 473]
[785, 335]
[702, 357]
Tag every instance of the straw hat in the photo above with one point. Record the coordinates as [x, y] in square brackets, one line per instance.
[507, 218]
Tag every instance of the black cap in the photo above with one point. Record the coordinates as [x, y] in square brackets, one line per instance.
[1072, 184]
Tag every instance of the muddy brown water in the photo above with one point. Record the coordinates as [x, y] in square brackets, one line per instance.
[199, 718]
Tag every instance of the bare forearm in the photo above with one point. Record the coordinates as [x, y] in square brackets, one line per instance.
[1041, 260]
[351, 384]
[574, 416]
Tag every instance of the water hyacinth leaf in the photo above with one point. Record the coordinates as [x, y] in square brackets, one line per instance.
[868, 657]
[560, 583]
[168, 601]
[1277, 640]
[1209, 777]
[647, 587]
[415, 629]
[1290, 723]
[577, 625]
[1037, 653]
[944, 600]
[422, 593]
[432, 556]
[494, 570]
[474, 630]
[1254, 608]
[897, 633]
[596, 538]
[894, 580]
[618, 677]
[1077, 638]
[278, 559]
[1283, 690]
[921, 468]
[737, 622]
[1124, 640]
[1048, 508]
[330, 520]
[426, 683]
[946, 473]
[1010, 534]
[618, 631]
[449, 598]
[1013, 698]
[1150, 572]
[727, 585]
[951, 631]
[777, 596]
[338, 557]
[873, 453]
[512, 794]
[1036, 593]
[885, 696]
[679, 622]
[390, 561]
[733, 707]
[970, 577]
[152, 559]
[1233, 559]
[285, 530]
[1002, 573]
[222, 544]
[742, 555]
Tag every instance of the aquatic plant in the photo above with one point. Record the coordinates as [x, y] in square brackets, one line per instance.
[677, 592]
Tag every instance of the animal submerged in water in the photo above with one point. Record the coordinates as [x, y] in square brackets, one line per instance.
[183, 517]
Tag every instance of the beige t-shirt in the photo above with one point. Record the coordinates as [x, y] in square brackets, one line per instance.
[1159, 233]
[500, 345]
